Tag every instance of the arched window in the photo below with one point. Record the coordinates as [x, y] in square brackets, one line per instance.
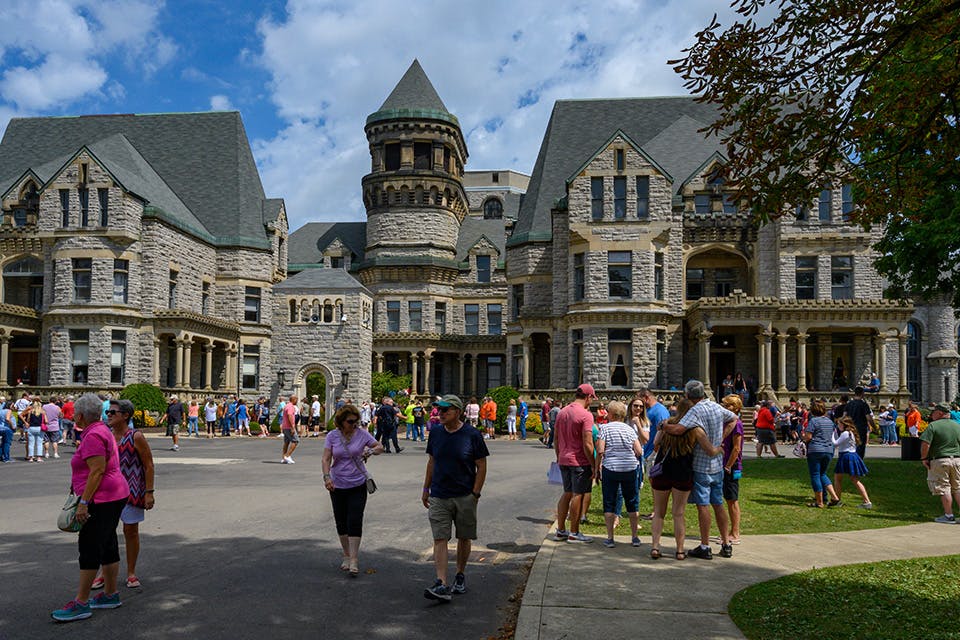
[327, 311]
[304, 311]
[914, 381]
[23, 282]
[315, 311]
[294, 312]
[492, 209]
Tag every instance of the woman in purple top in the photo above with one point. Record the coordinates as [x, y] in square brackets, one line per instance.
[345, 477]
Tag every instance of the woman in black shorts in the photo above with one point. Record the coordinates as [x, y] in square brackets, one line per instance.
[672, 474]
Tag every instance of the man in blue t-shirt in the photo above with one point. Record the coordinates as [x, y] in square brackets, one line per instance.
[656, 413]
[522, 412]
[456, 470]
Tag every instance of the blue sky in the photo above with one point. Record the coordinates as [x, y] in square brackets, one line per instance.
[305, 74]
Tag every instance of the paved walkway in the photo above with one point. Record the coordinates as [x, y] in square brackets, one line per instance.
[588, 591]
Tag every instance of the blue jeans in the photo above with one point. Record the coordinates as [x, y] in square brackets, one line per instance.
[615, 484]
[523, 427]
[193, 425]
[619, 506]
[417, 431]
[889, 432]
[6, 439]
[817, 464]
[411, 431]
[35, 439]
[225, 427]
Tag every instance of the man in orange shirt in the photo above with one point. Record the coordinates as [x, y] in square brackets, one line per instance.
[488, 413]
[912, 420]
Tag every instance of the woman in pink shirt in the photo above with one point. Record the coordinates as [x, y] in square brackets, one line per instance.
[103, 492]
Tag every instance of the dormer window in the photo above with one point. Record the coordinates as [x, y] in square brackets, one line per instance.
[336, 262]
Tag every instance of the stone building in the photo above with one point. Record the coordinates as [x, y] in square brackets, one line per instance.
[136, 248]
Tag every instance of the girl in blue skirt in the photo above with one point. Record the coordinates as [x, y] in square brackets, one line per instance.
[849, 463]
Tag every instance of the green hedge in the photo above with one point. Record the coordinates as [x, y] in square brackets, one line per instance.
[502, 396]
[145, 397]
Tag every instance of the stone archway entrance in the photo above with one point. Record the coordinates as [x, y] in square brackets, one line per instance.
[330, 390]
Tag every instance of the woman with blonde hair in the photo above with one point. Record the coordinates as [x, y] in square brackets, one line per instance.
[672, 475]
[618, 452]
[36, 422]
[345, 477]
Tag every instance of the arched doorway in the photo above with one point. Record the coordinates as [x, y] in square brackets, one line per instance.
[317, 378]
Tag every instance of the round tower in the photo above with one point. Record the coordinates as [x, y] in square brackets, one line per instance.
[414, 193]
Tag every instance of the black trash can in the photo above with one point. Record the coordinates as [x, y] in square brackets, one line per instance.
[909, 448]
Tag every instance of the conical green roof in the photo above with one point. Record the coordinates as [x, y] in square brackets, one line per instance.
[413, 97]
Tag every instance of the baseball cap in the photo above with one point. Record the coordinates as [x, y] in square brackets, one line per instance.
[942, 406]
[450, 400]
[587, 390]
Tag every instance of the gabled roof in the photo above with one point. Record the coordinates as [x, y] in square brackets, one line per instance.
[619, 133]
[202, 158]
[715, 157]
[320, 280]
[13, 183]
[472, 230]
[414, 91]
[307, 244]
[666, 129]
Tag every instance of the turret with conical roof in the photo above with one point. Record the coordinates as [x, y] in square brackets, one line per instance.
[413, 194]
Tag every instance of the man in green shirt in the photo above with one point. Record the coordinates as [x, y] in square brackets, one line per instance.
[940, 452]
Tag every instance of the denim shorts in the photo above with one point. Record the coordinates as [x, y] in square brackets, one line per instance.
[707, 488]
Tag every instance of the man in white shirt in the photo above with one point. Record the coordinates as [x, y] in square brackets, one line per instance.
[315, 417]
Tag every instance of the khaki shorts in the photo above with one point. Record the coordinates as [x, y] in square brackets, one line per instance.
[944, 476]
[460, 511]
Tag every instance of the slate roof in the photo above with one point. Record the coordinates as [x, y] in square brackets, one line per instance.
[414, 91]
[201, 160]
[306, 244]
[472, 229]
[325, 279]
[665, 128]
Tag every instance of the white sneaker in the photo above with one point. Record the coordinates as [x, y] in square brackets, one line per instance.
[283, 460]
[175, 447]
[56, 455]
[46, 455]
[290, 460]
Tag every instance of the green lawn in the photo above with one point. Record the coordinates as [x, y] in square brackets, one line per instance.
[774, 493]
[878, 601]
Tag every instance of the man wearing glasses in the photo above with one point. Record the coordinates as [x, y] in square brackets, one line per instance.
[456, 470]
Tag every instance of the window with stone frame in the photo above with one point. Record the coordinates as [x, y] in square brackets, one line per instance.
[121, 280]
[494, 371]
[422, 155]
[661, 359]
[643, 197]
[492, 209]
[172, 289]
[393, 316]
[802, 212]
[391, 156]
[846, 202]
[118, 356]
[517, 301]
[825, 205]
[494, 319]
[415, 311]
[618, 159]
[79, 355]
[576, 340]
[103, 196]
[82, 279]
[471, 319]
[251, 304]
[64, 207]
[724, 281]
[596, 198]
[619, 274]
[806, 278]
[730, 203]
[695, 278]
[701, 203]
[841, 277]
[83, 195]
[658, 275]
[579, 277]
[516, 363]
[620, 355]
[483, 268]
[619, 197]
[440, 317]
[250, 369]
[336, 262]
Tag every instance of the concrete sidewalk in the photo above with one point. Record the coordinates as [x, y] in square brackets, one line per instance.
[588, 591]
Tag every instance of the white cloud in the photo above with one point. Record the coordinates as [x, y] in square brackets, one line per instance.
[220, 103]
[52, 82]
[500, 70]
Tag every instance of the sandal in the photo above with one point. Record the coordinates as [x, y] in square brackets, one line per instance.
[655, 554]
[354, 569]
[681, 555]
[815, 505]
[345, 564]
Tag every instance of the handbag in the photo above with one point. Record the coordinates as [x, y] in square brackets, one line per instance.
[371, 485]
[67, 520]
[800, 449]
[553, 474]
[657, 469]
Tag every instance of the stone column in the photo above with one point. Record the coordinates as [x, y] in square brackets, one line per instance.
[474, 361]
[527, 360]
[427, 361]
[379, 362]
[782, 362]
[414, 357]
[178, 378]
[4, 359]
[801, 362]
[208, 369]
[704, 338]
[761, 363]
[187, 357]
[461, 381]
[231, 376]
[902, 338]
[768, 358]
[550, 362]
[882, 362]
[156, 361]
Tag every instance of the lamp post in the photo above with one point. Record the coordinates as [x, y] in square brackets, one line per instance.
[344, 378]
[281, 378]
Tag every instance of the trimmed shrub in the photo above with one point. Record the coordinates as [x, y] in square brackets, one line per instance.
[383, 382]
[502, 396]
[533, 423]
[145, 397]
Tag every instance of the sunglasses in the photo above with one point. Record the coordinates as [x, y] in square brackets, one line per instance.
[113, 412]
[350, 421]
[442, 409]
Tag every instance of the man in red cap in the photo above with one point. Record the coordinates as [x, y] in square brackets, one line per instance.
[573, 444]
